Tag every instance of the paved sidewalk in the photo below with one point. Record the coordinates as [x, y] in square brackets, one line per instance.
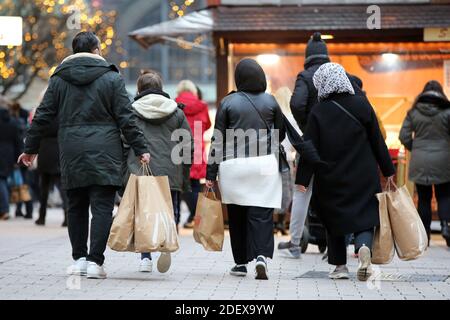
[33, 261]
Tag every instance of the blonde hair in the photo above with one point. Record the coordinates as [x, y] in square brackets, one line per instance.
[283, 96]
[186, 85]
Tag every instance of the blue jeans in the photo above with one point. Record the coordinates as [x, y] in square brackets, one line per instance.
[4, 196]
[176, 200]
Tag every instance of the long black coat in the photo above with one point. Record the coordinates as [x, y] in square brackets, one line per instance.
[10, 143]
[344, 193]
[48, 160]
[88, 97]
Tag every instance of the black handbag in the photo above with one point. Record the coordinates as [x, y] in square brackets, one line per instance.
[282, 157]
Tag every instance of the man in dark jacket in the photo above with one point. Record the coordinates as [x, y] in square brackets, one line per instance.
[89, 98]
[10, 145]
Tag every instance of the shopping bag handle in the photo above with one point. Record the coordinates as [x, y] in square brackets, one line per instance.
[146, 171]
[390, 181]
[212, 191]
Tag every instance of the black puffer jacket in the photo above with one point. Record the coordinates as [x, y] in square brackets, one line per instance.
[236, 112]
[89, 98]
[10, 143]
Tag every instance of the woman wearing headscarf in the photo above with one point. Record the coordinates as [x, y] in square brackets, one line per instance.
[250, 183]
[426, 133]
[344, 129]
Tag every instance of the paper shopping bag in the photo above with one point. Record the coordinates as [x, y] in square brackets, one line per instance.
[383, 241]
[155, 228]
[121, 237]
[208, 222]
[410, 237]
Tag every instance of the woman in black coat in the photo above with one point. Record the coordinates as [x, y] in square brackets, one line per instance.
[344, 129]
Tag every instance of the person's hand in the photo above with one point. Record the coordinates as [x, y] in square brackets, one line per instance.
[301, 188]
[145, 158]
[209, 184]
[26, 159]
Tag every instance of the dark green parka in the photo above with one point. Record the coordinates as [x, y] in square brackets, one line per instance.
[88, 97]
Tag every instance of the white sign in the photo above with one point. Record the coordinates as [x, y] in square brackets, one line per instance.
[10, 31]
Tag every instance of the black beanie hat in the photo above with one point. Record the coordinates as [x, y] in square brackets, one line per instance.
[316, 48]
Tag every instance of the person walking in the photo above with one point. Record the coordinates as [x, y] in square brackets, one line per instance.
[88, 97]
[196, 112]
[11, 147]
[426, 134]
[158, 118]
[20, 117]
[49, 172]
[344, 129]
[249, 179]
[304, 98]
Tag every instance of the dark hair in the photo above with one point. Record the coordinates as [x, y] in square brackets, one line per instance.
[149, 79]
[85, 41]
[433, 85]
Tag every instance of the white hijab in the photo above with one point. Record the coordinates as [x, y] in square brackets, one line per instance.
[331, 78]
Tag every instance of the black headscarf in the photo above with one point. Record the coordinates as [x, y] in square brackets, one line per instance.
[250, 77]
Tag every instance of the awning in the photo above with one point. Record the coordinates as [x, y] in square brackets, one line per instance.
[198, 22]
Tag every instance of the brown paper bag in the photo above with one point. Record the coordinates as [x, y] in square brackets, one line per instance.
[208, 222]
[121, 237]
[24, 191]
[155, 228]
[383, 241]
[15, 195]
[409, 233]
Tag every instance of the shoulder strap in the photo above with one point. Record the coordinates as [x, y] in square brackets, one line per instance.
[254, 106]
[349, 114]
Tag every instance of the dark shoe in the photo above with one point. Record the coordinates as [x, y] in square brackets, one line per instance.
[261, 268]
[4, 216]
[40, 222]
[189, 225]
[239, 270]
[445, 231]
[64, 224]
[19, 214]
[29, 216]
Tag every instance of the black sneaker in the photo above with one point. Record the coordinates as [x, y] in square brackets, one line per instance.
[239, 270]
[261, 268]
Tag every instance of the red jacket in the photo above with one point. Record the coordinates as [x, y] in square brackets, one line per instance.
[196, 111]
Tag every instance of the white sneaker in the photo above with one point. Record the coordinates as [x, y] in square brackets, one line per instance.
[146, 265]
[341, 272]
[78, 268]
[261, 268]
[364, 268]
[164, 262]
[94, 271]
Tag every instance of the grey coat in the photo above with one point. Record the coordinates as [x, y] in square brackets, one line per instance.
[158, 118]
[426, 133]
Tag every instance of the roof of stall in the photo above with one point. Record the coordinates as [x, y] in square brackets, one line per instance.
[294, 18]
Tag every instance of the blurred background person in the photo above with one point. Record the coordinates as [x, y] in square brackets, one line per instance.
[426, 133]
[283, 96]
[11, 147]
[20, 117]
[196, 111]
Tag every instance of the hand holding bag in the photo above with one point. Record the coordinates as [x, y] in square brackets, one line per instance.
[208, 222]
